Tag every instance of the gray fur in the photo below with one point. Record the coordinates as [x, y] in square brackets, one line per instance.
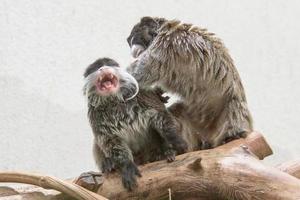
[193, 63]
[131, 130]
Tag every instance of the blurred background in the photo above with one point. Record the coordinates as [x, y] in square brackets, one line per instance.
[46, 45]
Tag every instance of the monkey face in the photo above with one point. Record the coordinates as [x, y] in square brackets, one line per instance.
[105, 80]
[143, 34]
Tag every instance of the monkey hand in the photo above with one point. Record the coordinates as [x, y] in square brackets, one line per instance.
[160, 93]
[170, 155]
[129, 171]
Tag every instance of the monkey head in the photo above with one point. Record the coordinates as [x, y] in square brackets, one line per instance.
[106, 81]
[143, 34]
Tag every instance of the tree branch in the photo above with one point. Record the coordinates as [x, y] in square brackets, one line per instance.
[291, 167]
[231, 171]
[49, 182]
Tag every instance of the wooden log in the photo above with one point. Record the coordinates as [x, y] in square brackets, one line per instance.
[231, 171]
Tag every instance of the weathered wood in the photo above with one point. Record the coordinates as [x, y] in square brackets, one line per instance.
[291, 167]
[49, 182]
[231, 171]
[90, 180]
[26, 193]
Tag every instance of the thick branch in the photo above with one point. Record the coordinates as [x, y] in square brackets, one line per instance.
[231, 171]
[291, 167]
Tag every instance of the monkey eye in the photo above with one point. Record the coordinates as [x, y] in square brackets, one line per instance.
[99, 68]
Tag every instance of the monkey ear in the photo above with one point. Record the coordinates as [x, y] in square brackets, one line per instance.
[147, 20]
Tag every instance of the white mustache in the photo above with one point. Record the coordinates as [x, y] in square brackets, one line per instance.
[136, 50]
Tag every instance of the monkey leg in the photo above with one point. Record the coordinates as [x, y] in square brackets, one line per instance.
[237, 122]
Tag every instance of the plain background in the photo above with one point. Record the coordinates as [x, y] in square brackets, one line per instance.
[45, 46]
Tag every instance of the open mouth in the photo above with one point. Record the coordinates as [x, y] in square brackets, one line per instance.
[107, 83]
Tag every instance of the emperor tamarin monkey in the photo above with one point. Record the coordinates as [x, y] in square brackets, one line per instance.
[128, 125]
[194, 63]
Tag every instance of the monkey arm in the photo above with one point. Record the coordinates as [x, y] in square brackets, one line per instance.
[104, 163]
[145, 69]
[118, 152]
[114, 147]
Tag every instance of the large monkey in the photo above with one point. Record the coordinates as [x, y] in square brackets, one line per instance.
[192, 62]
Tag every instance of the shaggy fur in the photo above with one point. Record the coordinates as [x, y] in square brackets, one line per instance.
[129, 128]
[192, 62]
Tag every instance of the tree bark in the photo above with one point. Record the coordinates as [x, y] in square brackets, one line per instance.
[49, 182]
[232, 171]
[291, 167]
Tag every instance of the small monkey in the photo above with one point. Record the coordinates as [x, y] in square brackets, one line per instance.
[128, 125]
[193, 63]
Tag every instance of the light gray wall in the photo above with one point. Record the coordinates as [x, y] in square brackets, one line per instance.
[45, 46]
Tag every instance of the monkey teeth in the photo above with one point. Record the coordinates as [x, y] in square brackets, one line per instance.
[106, 76]
[107, 82]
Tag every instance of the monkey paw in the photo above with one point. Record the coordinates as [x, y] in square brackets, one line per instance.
[129, 172]
[90, 180]
[170, 155]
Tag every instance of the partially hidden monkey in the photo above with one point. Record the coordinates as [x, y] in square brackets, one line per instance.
[193, 63]
[130, 126]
